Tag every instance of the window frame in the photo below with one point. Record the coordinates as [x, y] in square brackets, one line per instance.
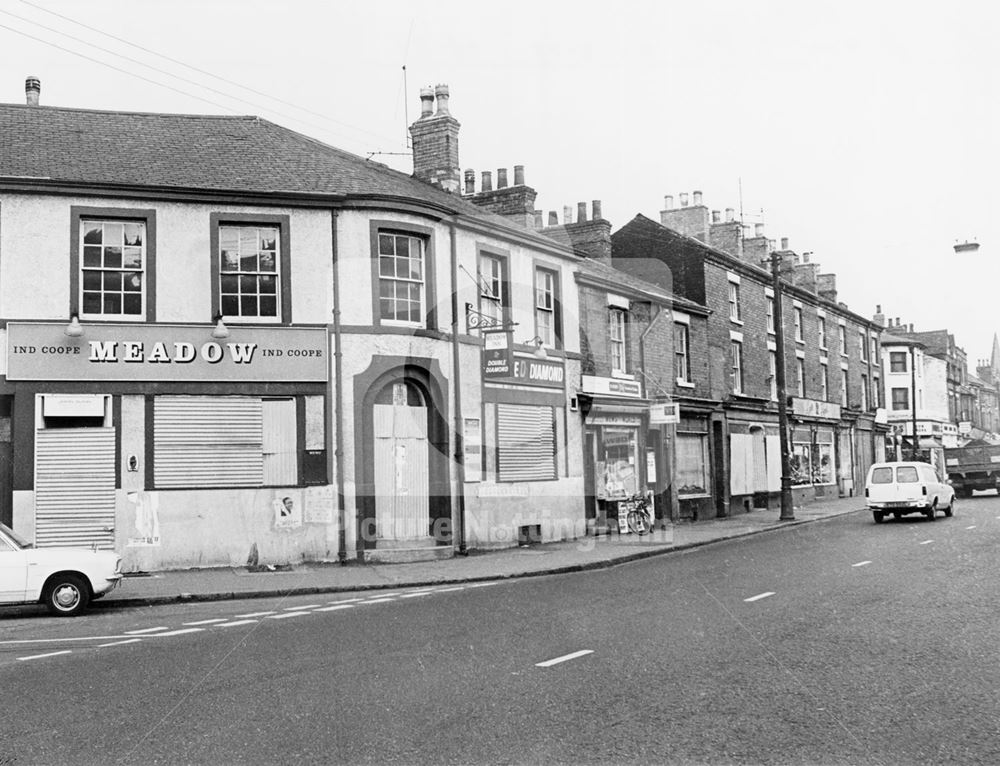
[797, 316]
[772, 361]
[283, 223]
[821, 331]
[845, 381]
[618, 343]
[735, 313]
[842, 339]
[486, 304]
[800, 376]
[736, 366]
[770, 303]
[556, 311]
[682, 356]
[429, 309]
[894, 357]
[904, 400]
[146, 216]
[863, 346]
[824, 381]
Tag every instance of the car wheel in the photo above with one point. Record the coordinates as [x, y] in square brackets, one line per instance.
[878, 516]
[931, 512]
[66, 595]
[950, 510]
[897, 515]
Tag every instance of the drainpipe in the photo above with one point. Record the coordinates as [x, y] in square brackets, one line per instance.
[338, 405]
[457, 381]
[642, 361]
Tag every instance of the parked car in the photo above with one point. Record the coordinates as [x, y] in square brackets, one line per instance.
[901, 488]
[66, 580]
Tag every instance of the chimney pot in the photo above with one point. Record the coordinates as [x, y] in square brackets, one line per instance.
[697, 198]
[716, 216]
[553, 218]
[770, 245]
[730, 214]
[581, 212]
[426, 101]
[784, 243]
[441, 92]
[487, 181]
[758, 230]
[684, 199]
[668, 202]
[878, 308]
[911, 327]
[501, 178]
[539, 219]
[805, 257]
[519, 175]
[567, 215]
[470, 181]
[595, 210]
[32, 90]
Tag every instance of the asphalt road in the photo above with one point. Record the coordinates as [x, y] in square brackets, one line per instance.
[838, 642]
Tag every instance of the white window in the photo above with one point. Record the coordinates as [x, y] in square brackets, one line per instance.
[249, 264]
[736, 370]
[401, 278]
[682, 361]
[824, 381]
[798, 324]
[842, 338]
[492, 288]
[692, 457]
[822, 332]
[843, 388]
[770, 314]
[772, 358]
[113, 263]
[734, 301]
[616, 339]
[862, 346]
[545, 306]
[873, 350]
[864, 392]
[800, 377]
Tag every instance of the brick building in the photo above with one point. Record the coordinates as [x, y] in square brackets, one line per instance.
[833, 370]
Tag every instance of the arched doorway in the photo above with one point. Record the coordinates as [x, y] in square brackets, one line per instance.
[399, 431]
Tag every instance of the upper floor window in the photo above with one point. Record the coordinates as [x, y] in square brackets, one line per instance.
[873, 350]
[616, 338]
[772, 360]
[843, 388]
[734, 301]
[824, 382]
[800, 377]
[401, 275]
[842, 338]
[862, 345]
[547, 317]
[821, 326]
[770, 314]
[897, 361]
[798, 324]
[492, 288]
[736, 366]
[249, 272]
[864, 392]
[901, 398]
[682, 359]
[113, 267]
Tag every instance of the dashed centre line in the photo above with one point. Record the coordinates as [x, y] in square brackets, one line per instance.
[926, 542]
[234, 624]
[759, 596]
[120, 643]
[335, 607]
[255, 614]
[564, 658]
[287, 615]
[145, 630]
[206, 622]
[972, 527]
[861, 564]
[377, 600]
[180, 632]
[40, 656]
[300, 608]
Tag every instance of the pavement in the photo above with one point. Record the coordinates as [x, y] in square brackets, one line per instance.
[592, 552]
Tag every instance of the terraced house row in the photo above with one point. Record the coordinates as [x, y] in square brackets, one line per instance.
[228, 343]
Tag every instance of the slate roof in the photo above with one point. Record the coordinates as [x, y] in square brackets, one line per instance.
[203, 152]
[616, 276]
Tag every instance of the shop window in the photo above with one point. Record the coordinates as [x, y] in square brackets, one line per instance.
[113, 263]
[620, 462]
[250, 264]
[548, 318]
[224, 441]
[822, 458]
[800, 458]
[692, 463]
[526, 443]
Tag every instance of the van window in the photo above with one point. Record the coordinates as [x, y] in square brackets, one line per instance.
[907, 474]
[881, 476]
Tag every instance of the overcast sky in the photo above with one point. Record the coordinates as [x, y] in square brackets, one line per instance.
[865, 132]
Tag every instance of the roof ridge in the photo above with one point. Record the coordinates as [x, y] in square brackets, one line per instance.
[136, 113]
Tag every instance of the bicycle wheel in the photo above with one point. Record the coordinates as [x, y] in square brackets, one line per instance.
[638, 521]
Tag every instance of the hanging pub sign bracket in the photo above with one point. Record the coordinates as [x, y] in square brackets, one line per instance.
[476, 320]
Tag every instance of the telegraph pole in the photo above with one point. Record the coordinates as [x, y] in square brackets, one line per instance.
[787, 510]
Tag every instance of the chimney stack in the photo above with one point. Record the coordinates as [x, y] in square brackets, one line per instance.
[32, 90]
[784, 243]
[553, 218]
[758, 230]
[519, 175]
[730, 214]
[470, 181]
[501, 178]
[435, 142]
[441, 93]
[716, 216]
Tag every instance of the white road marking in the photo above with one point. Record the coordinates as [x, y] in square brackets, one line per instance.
[480, 584]
[206, 622]
[377, 600]
[564, 658]
[145, 630]
[119, 643]
[234, 624]
[445, 590]
[180, 632]
[344, 601]
[417, 593]
[925, 542]
[300, 608]
[972, 527]
[286, 615]
[39, 656]
[57, 640]
[861, 564]
[254, 614]
[335, 607]
[759, 596]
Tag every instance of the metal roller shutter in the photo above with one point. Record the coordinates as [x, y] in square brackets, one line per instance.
[526, 443]
[207, 441]
[75, 487]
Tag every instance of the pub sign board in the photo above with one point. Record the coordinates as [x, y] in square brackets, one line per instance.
[497, 358]
[166, 353]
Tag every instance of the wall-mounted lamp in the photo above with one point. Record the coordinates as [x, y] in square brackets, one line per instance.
[220, 330]
[539, 351]
[74, 329]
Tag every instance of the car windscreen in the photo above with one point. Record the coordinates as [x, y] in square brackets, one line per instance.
[882, 476]
[907, 474]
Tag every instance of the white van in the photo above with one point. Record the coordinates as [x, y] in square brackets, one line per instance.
[900, 488]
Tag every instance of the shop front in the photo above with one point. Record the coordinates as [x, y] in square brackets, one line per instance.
[813, 454]
[172, 445]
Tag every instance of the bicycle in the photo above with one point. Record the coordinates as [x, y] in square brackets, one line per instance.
[637, 514]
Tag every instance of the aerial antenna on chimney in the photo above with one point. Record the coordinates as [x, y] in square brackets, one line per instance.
[740, 182]
[406, 108]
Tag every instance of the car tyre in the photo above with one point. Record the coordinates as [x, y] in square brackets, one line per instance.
[950, 510]
[66, 595]
[878, 516]
[931, 512]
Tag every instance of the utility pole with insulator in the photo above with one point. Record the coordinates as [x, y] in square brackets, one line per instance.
[787, 510]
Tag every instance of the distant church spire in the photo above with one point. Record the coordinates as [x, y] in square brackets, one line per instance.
[995, 357]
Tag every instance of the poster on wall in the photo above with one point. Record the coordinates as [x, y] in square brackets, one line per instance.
[146, 520]
[319, 505]
[287, 508]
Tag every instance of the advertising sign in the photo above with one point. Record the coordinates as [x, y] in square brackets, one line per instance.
[497, 359]
[664, 414]
[593, 384]
[106, 351]
[532, 371]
